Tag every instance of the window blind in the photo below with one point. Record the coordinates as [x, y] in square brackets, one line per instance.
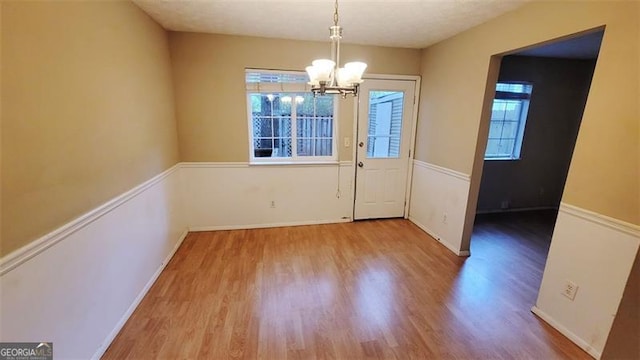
[276, 81]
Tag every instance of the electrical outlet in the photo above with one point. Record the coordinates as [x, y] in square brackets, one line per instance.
[570, 289]
[273, 204]
[347, 141]
[444, 218]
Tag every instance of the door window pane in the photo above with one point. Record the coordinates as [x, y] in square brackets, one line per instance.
[385, 124]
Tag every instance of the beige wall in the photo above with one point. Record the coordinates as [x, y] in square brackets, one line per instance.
[208, 73]
[603, 176]
[87, 110]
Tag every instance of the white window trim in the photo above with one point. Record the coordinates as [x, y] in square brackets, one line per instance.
[294, 159]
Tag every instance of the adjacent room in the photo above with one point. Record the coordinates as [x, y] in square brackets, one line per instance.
[539, 100]
[244, 179]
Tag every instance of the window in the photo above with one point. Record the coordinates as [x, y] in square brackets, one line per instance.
[385, 124]
[286, 122]
[508, 119]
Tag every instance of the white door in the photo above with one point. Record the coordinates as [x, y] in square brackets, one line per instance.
[385, 115]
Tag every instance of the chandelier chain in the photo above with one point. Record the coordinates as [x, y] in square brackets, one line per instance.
[335, 14]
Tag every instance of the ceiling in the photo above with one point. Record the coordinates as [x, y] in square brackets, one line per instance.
[581, 47]
[396, 23]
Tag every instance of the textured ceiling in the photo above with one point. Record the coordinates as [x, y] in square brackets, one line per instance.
[398, 23]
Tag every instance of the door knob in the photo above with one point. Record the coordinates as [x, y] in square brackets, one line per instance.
[361, 143]
[360, 164]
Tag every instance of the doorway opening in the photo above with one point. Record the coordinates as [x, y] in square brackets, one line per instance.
[540, 96]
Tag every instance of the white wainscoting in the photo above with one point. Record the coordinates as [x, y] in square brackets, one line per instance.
[595, 252]
[437, 192]
[222, 196]
[78, 285]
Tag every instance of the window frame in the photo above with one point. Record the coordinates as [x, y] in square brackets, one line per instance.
[291, 90]
[525, 100]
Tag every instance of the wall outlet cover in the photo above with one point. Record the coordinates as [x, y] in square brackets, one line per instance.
[570, 289]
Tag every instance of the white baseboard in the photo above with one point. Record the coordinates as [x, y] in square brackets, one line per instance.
[500, 211]
[264, 226]
[564, 331]
[439, 239]
[136, 302]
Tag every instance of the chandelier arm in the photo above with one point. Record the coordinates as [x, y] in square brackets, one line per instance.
[326, 76]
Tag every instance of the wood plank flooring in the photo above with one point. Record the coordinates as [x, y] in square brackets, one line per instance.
[378, 289]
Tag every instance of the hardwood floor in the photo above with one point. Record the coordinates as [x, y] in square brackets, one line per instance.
[371, 289]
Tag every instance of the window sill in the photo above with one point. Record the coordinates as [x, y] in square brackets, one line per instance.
[294, 163]
[502, 159]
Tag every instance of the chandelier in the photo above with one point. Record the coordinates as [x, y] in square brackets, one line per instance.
[326, 77]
